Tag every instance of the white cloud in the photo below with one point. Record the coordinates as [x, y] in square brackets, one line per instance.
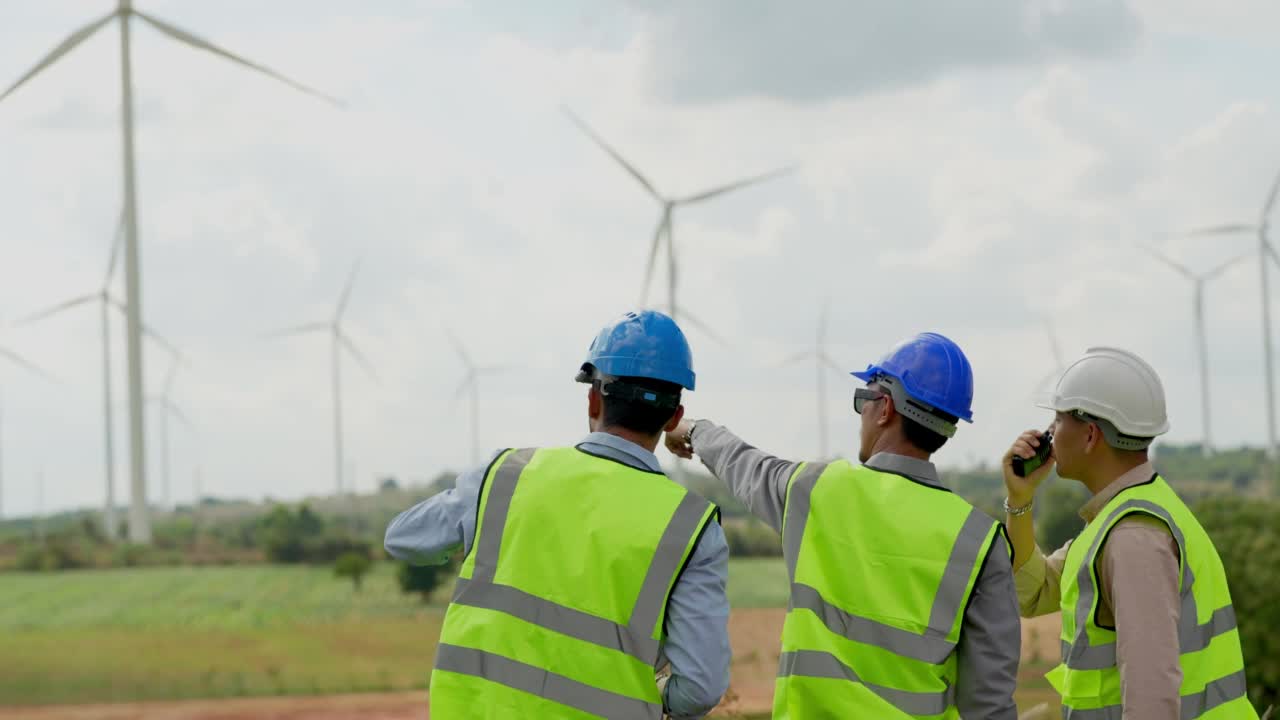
[973, 205]
[813, 50]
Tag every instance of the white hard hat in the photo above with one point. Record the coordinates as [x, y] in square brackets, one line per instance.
[1117, 386]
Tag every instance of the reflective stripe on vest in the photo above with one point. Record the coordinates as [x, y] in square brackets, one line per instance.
[932, 646]
[1218, 692]
[1084, 655]
[635, 638]
[814, 663]
[543, 683]
[926, 655]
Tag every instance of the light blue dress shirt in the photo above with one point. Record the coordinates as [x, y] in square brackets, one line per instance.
[697, 642]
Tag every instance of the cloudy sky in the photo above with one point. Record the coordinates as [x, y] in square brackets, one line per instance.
[970, 172]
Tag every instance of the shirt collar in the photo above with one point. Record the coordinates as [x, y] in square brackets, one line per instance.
[914, 468]
[643, 458]
[1136, 476]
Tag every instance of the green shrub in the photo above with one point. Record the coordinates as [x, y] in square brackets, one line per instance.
[1246, 533]
[353, 565]
[752, 538]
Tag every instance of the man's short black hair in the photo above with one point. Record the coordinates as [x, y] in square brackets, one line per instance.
[637, 415]
[922, 437]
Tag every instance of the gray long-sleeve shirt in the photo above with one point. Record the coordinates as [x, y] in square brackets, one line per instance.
[697, 643]
[991, 634]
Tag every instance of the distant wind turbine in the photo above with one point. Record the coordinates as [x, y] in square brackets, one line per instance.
[822, 363]
[1202, 343]
[167, 410]
[340, 341]
[106, 302]
[139, 521]
[1050, 379]
[1261, 230]
[14, 359]
[471, 384]
[666, 222]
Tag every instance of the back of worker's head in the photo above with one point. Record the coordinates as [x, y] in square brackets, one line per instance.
[915, 394]
[1109, 407]
[637, 365]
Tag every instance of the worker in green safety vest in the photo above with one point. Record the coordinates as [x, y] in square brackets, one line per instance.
[586, 569]
[902, 601]
[1148, 630]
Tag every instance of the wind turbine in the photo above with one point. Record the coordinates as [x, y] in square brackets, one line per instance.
[106, 302]
[1059, 362]
[471, 384]
[15, 359]
[340, 341]
[822, 363]
[168, 409]
[669, 204]
[139, 522]
[1265, 249]
[1202, 344]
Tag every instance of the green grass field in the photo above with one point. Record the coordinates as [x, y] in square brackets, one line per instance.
[153, 633]
[167, 633]
[208, 632]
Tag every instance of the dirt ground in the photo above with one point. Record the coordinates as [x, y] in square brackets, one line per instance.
[755, 657]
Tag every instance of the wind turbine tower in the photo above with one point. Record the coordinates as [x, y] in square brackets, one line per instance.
[125, 12]
[339, 341]
[1201, 337]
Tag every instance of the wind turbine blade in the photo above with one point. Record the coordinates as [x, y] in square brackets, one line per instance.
[462, 353]
[705, 329]
[1054, 345]
[1169, 262]
[178, 357]
[792, 359]
[198, 42]
[1226, 229]
[47, 312]
[150, 333]
[1223, 267]
[463, 387]
[826, 360]
[1271, 200]
[298, 330]
[17, 359]
[582, 125]
[175, 411]
[58, 51]
[346, 291]
[359, 356]
[653, 255]
[116, 242]
[1271, 251]
[714, 192]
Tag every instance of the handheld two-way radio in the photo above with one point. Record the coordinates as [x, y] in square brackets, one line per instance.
[1023, 467]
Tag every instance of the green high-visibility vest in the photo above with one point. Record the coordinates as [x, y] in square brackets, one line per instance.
[560, 603]
[881, 568]
[1213, 684]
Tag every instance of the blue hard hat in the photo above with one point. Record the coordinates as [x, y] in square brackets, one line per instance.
[932, 370]
[643, 343]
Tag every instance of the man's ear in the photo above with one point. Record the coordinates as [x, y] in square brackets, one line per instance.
[595, 402]
[675, 419]
[887, 411]
[1093, 438]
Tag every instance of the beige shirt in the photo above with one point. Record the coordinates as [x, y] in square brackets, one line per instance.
[1138, 574]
